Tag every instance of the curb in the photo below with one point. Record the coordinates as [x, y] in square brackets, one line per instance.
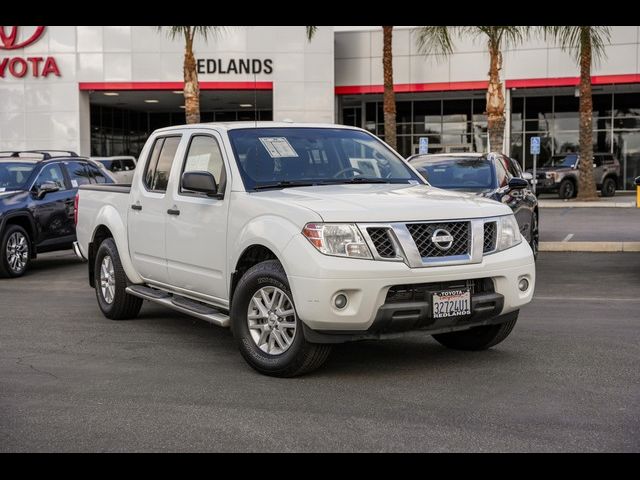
[589, 246]
[570, 204]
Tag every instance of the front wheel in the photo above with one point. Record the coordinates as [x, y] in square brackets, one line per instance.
[608, 187]
[15, 252]
[478, 338]
[267, 328]
[567, 190]
[111, 283]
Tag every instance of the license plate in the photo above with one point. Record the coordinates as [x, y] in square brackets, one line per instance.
[451, 303]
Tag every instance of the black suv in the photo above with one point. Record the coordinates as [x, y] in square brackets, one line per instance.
[560, 174]
[37, 197]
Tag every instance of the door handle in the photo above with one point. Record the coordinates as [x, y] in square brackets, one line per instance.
[173, 211]
[136, 207]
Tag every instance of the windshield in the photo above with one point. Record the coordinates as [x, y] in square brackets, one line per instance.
[568, 161]
[463, 173]
[14, 175]
[281, 157]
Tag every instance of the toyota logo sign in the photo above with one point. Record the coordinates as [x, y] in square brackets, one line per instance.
[10, 38]
[13, 38]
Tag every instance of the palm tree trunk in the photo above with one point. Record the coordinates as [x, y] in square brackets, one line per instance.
[586, 182]
[495, 101]
[389, 95]
[191, 84]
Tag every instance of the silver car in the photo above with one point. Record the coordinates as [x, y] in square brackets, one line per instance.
[121, 167]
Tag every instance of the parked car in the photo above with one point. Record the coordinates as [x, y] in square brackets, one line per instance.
[560, 175]
[120, 167]
[37, 193]
[491, 175]
[300, 236]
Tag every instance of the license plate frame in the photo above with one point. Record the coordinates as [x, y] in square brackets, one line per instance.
[454, 303]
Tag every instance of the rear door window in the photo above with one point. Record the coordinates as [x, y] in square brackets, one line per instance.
[128, 164]
[78, 173]
[96, 175]
[158, 167]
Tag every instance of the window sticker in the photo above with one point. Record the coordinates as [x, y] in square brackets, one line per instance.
[278, 147]
[74, 183]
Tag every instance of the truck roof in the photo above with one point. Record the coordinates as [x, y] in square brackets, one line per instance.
[244, 125]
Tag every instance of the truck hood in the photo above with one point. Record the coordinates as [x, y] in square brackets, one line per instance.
[386, 203]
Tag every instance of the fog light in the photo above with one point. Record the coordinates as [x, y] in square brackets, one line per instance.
[340, 301]
[523, 285]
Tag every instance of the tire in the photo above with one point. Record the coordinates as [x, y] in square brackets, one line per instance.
[15, 252]
[119, 305]
[299, 356]
[567, 190]
[608, 188]
[478, 338]
[534, 235]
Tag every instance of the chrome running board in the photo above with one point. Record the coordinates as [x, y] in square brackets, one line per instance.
[181, 304]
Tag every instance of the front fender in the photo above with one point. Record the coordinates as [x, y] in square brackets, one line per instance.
[112, 219]
[260, 231]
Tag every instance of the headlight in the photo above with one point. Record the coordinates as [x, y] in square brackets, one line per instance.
[551, 175]
[508, 233]
[338, 239]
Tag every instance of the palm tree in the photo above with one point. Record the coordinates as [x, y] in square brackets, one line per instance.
[389, 96]
[191, 84]
[438, 40]
[588, 45]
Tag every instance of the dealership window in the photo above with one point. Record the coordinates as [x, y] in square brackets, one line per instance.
[451, 124]
[119, 131]
[555, 118]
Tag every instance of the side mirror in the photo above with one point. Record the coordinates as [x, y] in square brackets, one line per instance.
[637, 181]
[199, 181]
[46, 187]
[517, 183]
[527, 176]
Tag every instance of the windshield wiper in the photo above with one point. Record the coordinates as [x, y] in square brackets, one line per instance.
[284, 184]
[359, 180]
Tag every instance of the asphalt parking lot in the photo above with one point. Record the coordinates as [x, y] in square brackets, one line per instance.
[567, 379]
[590, 224]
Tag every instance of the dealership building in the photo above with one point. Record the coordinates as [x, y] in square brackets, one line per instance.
[101, 90]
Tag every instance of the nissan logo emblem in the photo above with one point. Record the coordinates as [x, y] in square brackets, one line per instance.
[442, 239]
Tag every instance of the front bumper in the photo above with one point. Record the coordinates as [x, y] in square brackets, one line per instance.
[315, 280]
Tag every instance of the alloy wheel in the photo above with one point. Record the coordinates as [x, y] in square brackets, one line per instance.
[107, 280]
[272, 320]
[17, 252]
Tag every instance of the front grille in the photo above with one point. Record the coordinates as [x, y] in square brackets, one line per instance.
[490, 232]
[420, 292]
[380, 236]
[422, 233]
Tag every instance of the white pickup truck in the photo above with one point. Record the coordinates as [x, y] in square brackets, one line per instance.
[299, 236]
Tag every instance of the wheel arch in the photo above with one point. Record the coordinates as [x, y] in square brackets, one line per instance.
[250, 256]
[26, 221]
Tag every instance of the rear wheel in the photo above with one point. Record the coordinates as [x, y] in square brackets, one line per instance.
[608, 187]
[267, 328]
[111, 283]
[567, 189]
[478, 338]
[15, 252]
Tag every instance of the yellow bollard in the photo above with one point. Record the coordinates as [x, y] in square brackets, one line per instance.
[638, 196]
